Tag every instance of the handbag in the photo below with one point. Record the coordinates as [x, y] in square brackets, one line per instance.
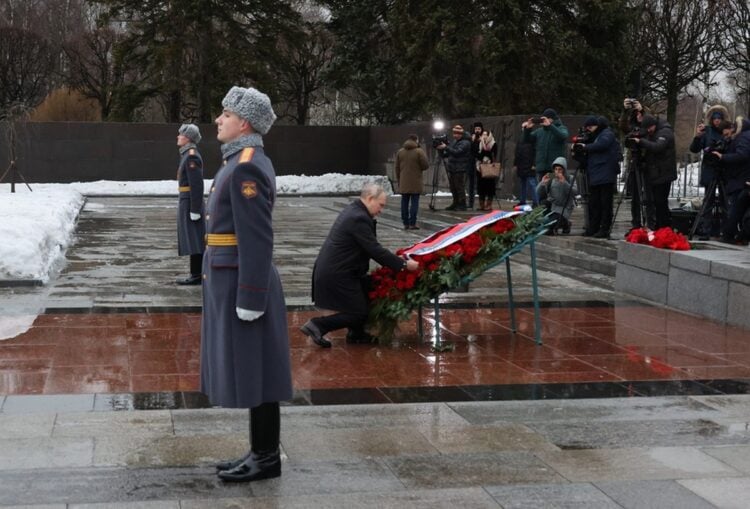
[489, 170]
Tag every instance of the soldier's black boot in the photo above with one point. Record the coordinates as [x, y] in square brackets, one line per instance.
[230, 464]
[264, 461]
[194, 279]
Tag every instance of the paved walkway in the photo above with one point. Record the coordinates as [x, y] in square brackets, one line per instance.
[118, 336]
[681, 452]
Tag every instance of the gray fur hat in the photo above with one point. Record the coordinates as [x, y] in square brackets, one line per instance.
[252, 105]
[191, 132]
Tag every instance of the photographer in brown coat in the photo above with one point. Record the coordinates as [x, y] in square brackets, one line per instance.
[411, 161]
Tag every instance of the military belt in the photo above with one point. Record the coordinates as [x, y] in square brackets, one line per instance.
[221, 239]
[183, 189]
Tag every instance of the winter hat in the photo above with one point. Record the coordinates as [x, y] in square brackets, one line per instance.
[191, 132]
[591, 120]
[251, 105]
[478, 124]
[717, 114]
[458, 129]
[549, 113]
[648, 121]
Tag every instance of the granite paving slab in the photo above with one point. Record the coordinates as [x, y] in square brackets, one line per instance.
[635, 464]
[467, 498]
[723, 493]
[653, 495]
[620, 434]
[26, 425]
[508, 437]
[219, 421]
[353, 443]
[53, 453]
[372, 416]
[737, 457]
[151, 504]
[44, 403]
[588, 410]
[551, 496]
[734, 405]
[118, 424]
[167, 451]
[478, 469]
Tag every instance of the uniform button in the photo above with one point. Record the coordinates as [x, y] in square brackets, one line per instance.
[208, 217]
[212, 188]
[205, 276]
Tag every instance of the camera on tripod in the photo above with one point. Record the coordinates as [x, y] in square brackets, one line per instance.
[439, 139]
[630, 138]
[578, 151]
[719, 146]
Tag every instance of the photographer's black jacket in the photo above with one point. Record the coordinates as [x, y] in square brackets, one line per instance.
[736, 160]
[660, 159]
[458, 156]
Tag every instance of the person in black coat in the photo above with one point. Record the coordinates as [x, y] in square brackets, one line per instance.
[190, 209]
[603, 156]
[523, 163]
[340, 278]
[735, 163]
[459, 160]
[659, 168]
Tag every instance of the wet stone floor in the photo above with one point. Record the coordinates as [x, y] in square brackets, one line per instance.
[623, 405]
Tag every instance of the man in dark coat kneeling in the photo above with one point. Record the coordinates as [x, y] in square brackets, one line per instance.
[244, 337]
[340, 280]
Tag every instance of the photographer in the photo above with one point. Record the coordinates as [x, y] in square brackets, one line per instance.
[549, 136]
[659, 167]
[735, 163]
[706, 136]
[458, 160]
[630, 124]
[602, 155]
[557, 192]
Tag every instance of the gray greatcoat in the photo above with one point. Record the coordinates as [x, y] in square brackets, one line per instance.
[340, 272]
[411, 161]
[190, 233]
[243, 363]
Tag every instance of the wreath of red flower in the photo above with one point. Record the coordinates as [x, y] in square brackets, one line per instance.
[663, 238]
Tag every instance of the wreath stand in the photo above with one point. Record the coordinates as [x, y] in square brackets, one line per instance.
[530, 241]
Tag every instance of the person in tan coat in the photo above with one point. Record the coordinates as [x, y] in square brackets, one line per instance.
[411, 161]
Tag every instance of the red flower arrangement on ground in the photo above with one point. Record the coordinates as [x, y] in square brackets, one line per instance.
[664, 238]
[394, 295]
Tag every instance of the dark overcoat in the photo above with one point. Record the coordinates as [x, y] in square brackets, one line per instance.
[340, 272]
[603, 158]
[190, 233]
[243, 363]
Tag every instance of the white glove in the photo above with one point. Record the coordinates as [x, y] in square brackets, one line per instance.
[248, 314]
[194, 216]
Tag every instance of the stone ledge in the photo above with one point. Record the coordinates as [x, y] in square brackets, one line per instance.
[713, 283]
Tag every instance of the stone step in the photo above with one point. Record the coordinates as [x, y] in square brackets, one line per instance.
[597, 247]
[591, 269]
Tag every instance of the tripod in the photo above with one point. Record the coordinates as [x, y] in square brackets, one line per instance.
[639, 192]
[435, 177]
[718, 205]
[13, 170]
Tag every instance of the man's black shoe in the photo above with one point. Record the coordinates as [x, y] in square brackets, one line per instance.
[601, 235]
[360, 338]
[451, 207]
[312, 330]
[256, 467]
[194, 279]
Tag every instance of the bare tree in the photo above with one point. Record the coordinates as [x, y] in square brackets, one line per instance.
[735, 26]
[26, 63]
[677, 44]
[301, 73]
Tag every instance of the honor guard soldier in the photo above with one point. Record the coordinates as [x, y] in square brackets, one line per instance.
[191, 229]
[244, 338]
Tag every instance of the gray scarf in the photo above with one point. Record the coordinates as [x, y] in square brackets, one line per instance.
[234, 146]
[187, 147]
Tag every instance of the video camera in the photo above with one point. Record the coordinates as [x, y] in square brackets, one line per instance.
[630, 138]
[439, 139]
[719, 146]
[579, 140]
